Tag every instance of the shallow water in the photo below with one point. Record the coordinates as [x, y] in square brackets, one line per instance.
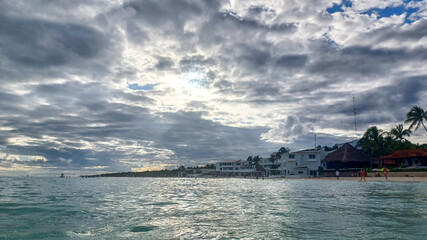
[174, 208]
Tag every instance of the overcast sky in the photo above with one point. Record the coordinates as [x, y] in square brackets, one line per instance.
[107, 86]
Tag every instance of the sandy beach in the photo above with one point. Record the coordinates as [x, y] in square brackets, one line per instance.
[377, 179]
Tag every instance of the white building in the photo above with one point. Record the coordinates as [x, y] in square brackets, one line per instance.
[304, 163]
[237, 168]
[273, 165]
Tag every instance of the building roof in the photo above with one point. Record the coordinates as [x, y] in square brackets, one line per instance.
[231, 161]
[410, 153]
[346, 153]
[307, 151]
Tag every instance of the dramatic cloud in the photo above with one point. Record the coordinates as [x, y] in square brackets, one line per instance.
[96, 86]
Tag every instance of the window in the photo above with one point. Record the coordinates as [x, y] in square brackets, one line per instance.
[238, 163]
[296, 164]
[300, 172]
[291, 156]
[311, 156]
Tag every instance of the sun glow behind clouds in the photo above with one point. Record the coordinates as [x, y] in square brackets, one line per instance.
[187, 86]
[193, 83]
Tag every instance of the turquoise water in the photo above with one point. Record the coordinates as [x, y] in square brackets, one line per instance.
[179, 208]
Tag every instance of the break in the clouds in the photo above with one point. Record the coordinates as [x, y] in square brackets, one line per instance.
[93, 86]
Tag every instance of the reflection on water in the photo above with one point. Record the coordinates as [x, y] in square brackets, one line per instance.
[171, 208]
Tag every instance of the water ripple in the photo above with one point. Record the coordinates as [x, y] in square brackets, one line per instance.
[173, 208]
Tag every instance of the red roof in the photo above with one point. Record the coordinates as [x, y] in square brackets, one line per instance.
[412, 153]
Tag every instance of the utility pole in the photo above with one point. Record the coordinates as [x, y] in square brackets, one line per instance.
[354, 110]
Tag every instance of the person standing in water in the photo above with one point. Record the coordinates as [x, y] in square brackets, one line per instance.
[385, 173]
[337, 174]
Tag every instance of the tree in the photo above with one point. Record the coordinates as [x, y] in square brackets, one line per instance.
[335, 147]
[284, 150]
[416, 117]
[256, 160]
[372, 142]
[399, 133]
[210, 166]
[181, 168]
[273, 158]
[250, 161]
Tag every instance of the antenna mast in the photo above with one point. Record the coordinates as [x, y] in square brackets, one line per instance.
[315, 140]
[354, 109]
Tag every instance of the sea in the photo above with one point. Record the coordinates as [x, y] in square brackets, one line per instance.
[200, 208]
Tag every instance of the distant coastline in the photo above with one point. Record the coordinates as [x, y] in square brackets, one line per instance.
[393, 177]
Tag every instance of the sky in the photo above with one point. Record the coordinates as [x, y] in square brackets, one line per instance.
[108, 86]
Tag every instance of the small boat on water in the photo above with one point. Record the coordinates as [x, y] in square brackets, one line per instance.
[62, 175]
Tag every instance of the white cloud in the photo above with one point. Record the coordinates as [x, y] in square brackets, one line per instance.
[227, 77]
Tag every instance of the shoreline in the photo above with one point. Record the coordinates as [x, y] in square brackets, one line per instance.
[356, 179]
[375, 179]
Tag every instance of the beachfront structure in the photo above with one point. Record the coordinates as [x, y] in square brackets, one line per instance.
[304, 163]
[406, 158]
[238, 168]
[273, 165]
[346, 157]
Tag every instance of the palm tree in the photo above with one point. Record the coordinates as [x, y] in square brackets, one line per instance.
[399, 133]
[416, 117]
[372, 142]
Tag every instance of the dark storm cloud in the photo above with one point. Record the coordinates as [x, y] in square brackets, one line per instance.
[305, 86]
[261, 9]
[62, 158]
[385, 104]
[192, 137]
[228, 27]
[365, 60]
[169, 16]
[73, 108]
[413, 32]
[184, 133]
[190, 61]
[173, 13]
[164, 63]
[236, 21]
[37, 43]
[252, 58]
[136, 33]
[8, 100]
[292, 61]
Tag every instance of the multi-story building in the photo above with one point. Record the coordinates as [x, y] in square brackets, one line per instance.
[304, 163]
[237, 168]
[273, 165]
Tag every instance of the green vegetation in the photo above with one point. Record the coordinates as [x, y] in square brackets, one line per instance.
[416, 117]
[399, 133]
[377, 142]
[178, 172]
[253, 161]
